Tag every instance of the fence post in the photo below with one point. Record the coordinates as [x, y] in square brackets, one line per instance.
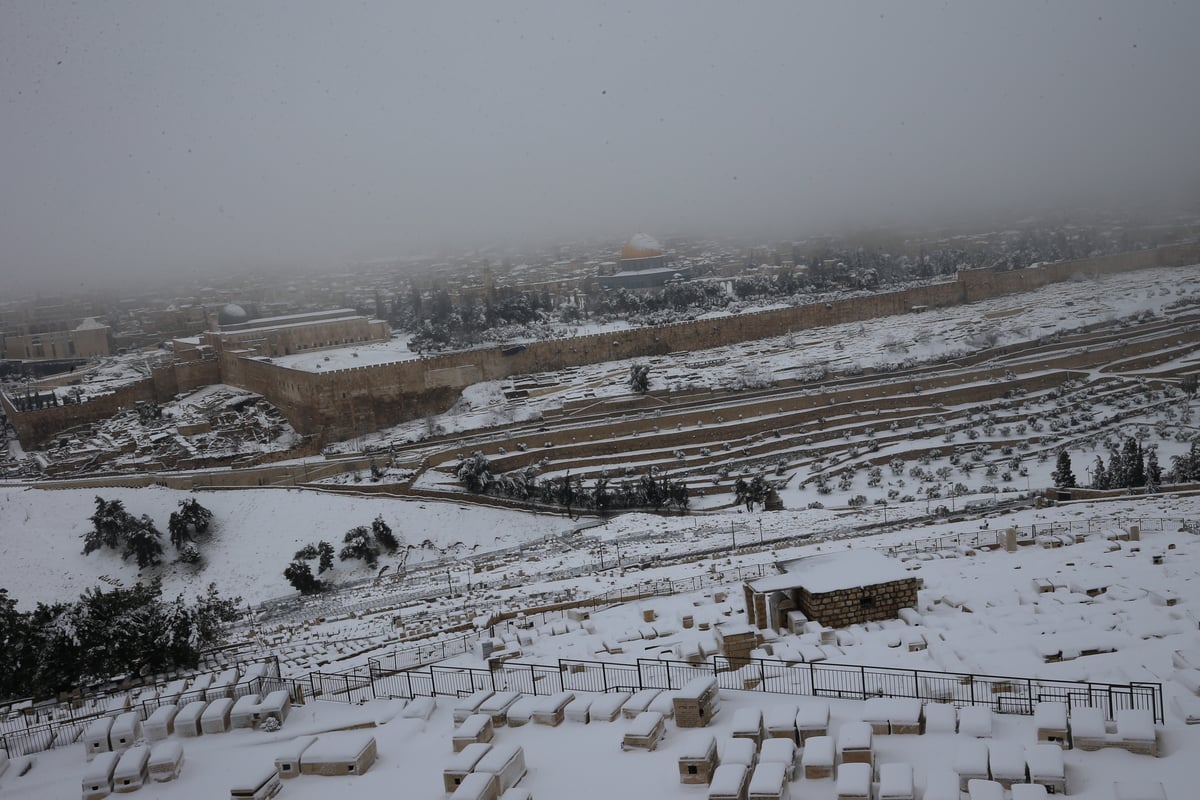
[862, 680]
[604, 677]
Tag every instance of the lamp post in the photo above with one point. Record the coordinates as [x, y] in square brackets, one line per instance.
[760, 533]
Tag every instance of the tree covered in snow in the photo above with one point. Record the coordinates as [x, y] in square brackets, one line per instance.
[109, 526]
[1185, 468]
[644, 491]
[750, 492]
[107, 633]
[114, 527]
[639, 378]
[359, 543]
[1099, 474]
[1063, 476]
[1153, 471]
[383, 534]
[191, 519]
[144, 543]
[475, 472]
[300, 575]
[324, 556]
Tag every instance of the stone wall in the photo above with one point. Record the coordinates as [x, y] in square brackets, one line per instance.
[348, 402]
[344, 403]
[852, 606]
[40, 425]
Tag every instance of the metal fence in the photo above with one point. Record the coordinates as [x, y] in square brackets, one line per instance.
[65, 731]
[1003, 694]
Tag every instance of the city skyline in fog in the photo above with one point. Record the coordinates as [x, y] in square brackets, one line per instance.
[143, 139]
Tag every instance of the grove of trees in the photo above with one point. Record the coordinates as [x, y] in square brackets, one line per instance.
[360, 542]
[644, 491]
[106, 633]
[113, 527]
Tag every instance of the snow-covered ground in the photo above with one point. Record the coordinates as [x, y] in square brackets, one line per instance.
[978, 612]
[256, 533]
[877, 343]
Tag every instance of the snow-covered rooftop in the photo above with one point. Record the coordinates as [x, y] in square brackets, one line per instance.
[829, 572]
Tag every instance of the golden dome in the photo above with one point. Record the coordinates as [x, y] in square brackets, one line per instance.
[641, 246]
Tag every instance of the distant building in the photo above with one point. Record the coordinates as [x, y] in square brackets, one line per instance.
[86, 339]
[642, 266]
[294, 333]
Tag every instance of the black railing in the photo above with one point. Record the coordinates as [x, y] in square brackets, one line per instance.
[66, 730]
[1003, 694]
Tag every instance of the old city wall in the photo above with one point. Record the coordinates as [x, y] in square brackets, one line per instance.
[38, 426]
[345, 403]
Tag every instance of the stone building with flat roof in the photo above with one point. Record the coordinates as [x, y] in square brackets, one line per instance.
[834, 589]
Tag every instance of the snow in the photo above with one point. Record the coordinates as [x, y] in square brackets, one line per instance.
[895, 781]
[1045, 761]
[978, 613]
[767, 779]
[339, 747]
[256, 533]
[727, 781]
[854, 780]
[834, 571]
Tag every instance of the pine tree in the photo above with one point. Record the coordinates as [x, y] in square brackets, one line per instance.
[299, 575]
[177, 530]
[1186, 468]
[359, 544]
[639, 378]
[325, 556]
[1099, 475]
[1118, 475]
[384, 536]
[195, 515]
[142, 542]
[1153, 471]
[1062, 476]
[110, 525]
[1135, 466]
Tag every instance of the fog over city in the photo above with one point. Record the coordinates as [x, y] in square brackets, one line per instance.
[149, 138]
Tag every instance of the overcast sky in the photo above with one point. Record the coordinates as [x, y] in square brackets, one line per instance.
[172, 136]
